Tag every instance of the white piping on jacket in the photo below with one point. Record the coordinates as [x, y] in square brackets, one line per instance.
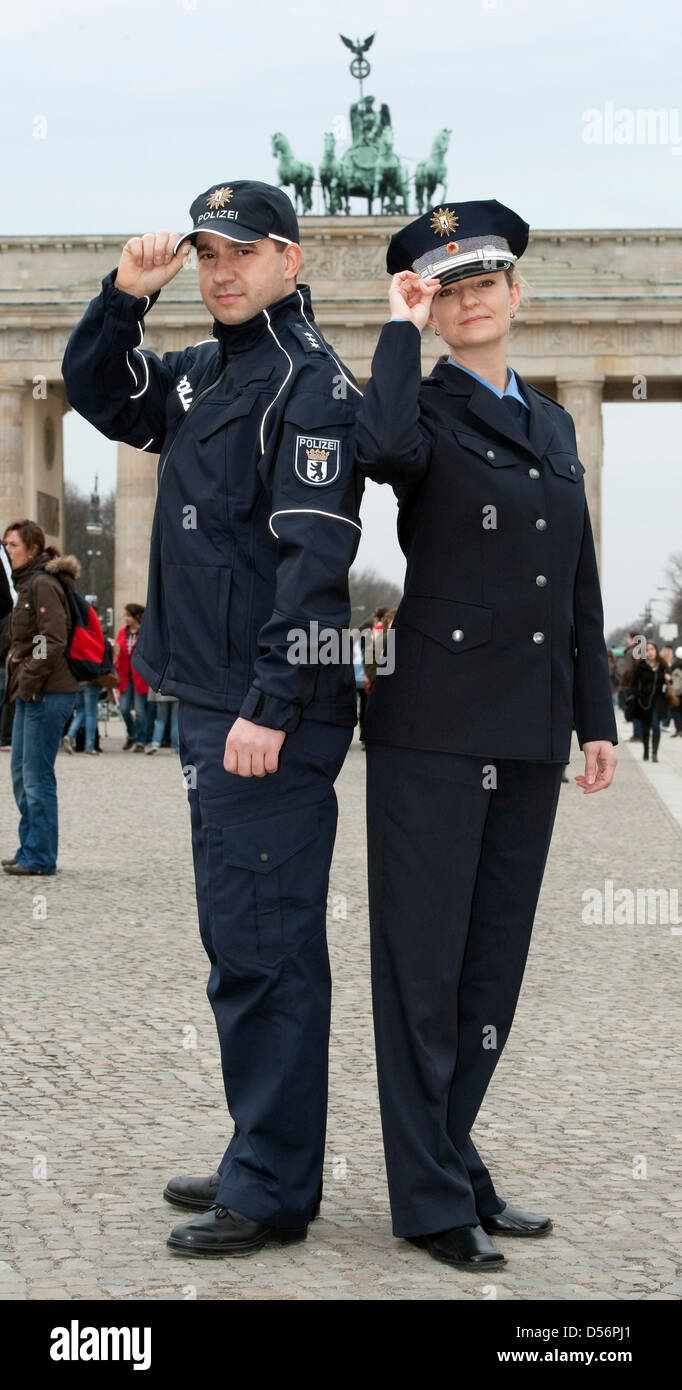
[141, 447]
[137, 395]
[327, 349]
[294, 511]
[275, 398]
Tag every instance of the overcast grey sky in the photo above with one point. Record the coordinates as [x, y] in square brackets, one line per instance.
[143, 105]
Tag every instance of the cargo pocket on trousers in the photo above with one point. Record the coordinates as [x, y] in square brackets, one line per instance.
[261, 874]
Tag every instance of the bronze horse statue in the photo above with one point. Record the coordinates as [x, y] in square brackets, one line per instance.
[391, 180]
[431, 172]
[332, 178]
[291, 171]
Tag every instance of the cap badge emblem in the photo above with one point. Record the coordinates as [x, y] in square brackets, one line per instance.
[443, 221]
[219, 198]
[452, 248]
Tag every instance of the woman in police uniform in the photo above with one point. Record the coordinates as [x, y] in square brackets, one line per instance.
[499, 653]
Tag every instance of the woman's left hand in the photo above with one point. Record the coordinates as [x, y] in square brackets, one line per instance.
[600, 765]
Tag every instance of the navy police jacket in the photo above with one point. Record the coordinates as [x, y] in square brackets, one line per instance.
[256, 518]
[499, 644]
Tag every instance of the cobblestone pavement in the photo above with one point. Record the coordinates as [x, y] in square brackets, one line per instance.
[111, 1081]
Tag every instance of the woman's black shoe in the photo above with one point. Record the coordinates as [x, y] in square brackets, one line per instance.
[464, 1247]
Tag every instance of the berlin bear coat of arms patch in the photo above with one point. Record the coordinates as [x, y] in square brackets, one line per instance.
[317, 461]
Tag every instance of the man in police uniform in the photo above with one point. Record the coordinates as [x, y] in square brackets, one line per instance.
[255, 527]
[499, 652]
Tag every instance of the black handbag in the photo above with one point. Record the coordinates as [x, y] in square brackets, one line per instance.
[630, 708]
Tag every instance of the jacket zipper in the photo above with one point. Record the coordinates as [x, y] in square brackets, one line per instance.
[195, 403]
[189, 412]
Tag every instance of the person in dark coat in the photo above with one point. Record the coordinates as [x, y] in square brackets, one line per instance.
[42, 687]
[499, 653]
[254, 531]
[649, 683]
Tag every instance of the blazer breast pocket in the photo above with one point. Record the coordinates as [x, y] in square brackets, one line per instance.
[457, 626]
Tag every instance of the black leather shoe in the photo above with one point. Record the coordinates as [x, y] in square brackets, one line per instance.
[5, 862]
[465, 1247]
[512, 1222]
[221, 1231]
[19, 870]
[199, 1194]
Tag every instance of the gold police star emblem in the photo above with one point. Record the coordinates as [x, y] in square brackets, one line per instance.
[219, 197]
[443, 221]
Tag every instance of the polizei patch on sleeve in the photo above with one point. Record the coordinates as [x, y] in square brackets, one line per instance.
[317, 461]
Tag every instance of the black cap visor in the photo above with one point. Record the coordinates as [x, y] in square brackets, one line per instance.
[241, 233]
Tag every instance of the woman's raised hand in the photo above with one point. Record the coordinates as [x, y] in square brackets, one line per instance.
[410, 297]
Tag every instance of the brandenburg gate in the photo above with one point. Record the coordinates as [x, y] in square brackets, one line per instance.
[600, 320]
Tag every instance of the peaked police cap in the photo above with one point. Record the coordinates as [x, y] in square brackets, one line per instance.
[455, 240]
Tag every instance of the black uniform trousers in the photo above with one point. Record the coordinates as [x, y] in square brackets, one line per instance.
[262, 850]
[455, 869]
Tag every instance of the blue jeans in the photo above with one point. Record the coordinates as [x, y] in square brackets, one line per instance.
[136, 724]
[87, 701]
[36, 735]
[161, 724]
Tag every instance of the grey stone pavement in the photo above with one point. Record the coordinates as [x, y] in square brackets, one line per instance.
[111, 1080]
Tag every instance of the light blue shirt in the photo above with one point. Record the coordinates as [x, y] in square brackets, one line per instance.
[512, 388]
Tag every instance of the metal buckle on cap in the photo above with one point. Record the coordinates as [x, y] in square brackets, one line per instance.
[490, 257]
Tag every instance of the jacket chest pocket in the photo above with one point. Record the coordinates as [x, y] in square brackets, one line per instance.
[457, 626]
[565, 465]
[495, 454]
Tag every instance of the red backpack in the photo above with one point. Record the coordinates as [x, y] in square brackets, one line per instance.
[87, 654]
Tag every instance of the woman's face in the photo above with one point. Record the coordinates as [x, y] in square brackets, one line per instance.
[475, 311]
[131, 623]
[650, 651]
[19, 554]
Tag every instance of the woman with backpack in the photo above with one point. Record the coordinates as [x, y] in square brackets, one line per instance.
[42, 687]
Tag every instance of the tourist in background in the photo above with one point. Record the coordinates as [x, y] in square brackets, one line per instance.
[628, 665]
[133, 690]
[42, 687]
[649, 685]
[166, 707]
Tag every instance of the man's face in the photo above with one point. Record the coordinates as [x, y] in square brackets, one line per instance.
[238, 279]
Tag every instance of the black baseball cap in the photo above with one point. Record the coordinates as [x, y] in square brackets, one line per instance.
[457, 240]
[243, 210]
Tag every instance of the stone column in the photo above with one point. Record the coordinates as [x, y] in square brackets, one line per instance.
[12, 488]
[44, 410]
[583, 400]
[135, 499]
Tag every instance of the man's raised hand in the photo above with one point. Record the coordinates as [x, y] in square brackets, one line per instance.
[147, 263]
[410, 296]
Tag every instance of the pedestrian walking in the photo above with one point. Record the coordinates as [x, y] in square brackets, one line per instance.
[133, 689]
[649, 684]
[165, 722]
